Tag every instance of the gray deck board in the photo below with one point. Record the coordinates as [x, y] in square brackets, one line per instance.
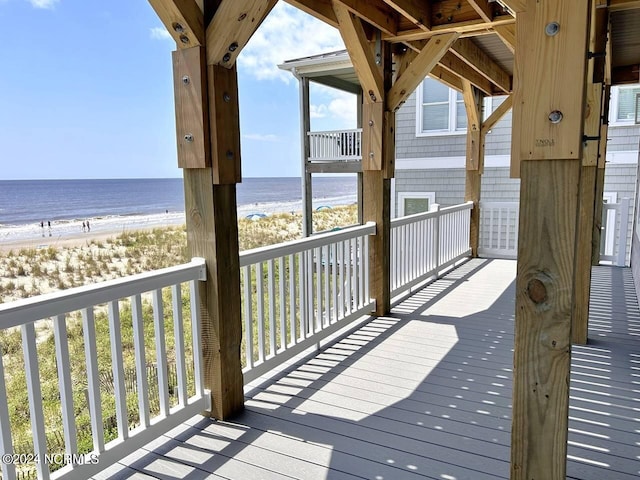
[422, 393]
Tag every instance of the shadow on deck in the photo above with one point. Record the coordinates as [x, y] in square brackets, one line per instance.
[422, 393]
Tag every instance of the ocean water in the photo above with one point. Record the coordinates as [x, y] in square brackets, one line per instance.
[129, 203]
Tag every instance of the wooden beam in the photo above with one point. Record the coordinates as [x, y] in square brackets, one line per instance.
[549, 192]
[473, 99]
[507, 34]
[232, 26]
[580, 325]
[473, 56]
[183, 20]
[497, 114]
[553, 111]
[191, 108]
[625, 75]
[320, 9]
[483, 8]
[468, 27]
[544, 286]
[212, 233]
[418, 12]
[622, 5]
[516, 6]
[445, 76]
[374, 12]
[460, 68]
[415, 72]
[362, 56]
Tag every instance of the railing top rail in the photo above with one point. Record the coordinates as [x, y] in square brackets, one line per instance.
[64, 301]
[353, 130]
[261, 254]
[416, 217]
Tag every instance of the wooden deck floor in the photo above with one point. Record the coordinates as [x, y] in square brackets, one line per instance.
[422, 393]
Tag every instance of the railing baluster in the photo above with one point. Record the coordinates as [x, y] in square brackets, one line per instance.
[161, 352]
[318, 278]
[310, 300]
[91, 358]
[292, 300]
[333, 268]
[196, 334]
[6, 442]
[355, 300]
[248, 317]
[302, 291]
[66, 387]
[260, 304]
[140, 360]
[326, 320]
[348, 260]
[363, 300]
[283, 303]
[272, 307]
[178, 334]
[32, 370]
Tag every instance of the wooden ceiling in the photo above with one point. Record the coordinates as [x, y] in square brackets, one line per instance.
[484, 51]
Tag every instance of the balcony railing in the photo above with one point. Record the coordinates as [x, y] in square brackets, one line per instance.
[138, 300]
[293, 296]
[335, 145]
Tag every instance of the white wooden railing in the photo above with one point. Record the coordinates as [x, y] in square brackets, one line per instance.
[499, 229]
[614, 241]
[297, 293]
[339, 145]
[426, 243]
[109, 304]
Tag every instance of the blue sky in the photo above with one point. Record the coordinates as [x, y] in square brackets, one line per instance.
[86, 91]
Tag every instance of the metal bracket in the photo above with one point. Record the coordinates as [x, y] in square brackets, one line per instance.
[587, 138]
[596, 55]
[378, 48]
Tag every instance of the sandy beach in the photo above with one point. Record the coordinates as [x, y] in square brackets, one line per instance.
[71, 234]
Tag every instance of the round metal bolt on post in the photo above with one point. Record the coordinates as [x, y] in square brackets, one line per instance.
[226, 97]
[233, 47]
[184, 39]
[555, 116]
[226, 58]
[552, 29]
[371, 123]
[186, 80]
[188, 137]
[229, 155]
[178, 27]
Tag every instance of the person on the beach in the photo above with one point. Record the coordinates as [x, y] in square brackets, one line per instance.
[84, 226]
[42, 227]
[49, 225]
[88, 227]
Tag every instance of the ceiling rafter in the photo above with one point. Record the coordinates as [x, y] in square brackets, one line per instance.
[418, 12]
[460, 68]
[183, 20]
[232, 26]
[421, 65]
[447, 77]
[375, 12]
[473, 56]
[321, 9]
[470, 26]
[362, 57]
[483, 8]
[515, 5]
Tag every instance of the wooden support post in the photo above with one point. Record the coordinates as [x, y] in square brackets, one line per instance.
[307, 184]
[548, 125]
[599, 190]
[475, 159]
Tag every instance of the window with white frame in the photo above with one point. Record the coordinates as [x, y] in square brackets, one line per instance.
[415, 202]
[440, 109]
[623, 105]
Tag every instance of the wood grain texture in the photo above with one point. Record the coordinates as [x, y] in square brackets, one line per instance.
[421, 65]
[473, 56]
[456, 66]
[232, 26]
[320, 9]
[544, 297]
[183, 20]
[212, 233]
[468, 28]
[473, 100]
[224, 121]
[374, 12]
[497, 114]
[418, 12]
[592, 124]
[472, 192]
[540, 91]
[483, 8]
[451, 80]
[516, 5]
[191, 107]
[372, 131]
[377, 208]
[361, 54]
[584, 248]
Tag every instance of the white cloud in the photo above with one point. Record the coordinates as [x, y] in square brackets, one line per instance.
[49, 4]
[337, 105]
[160, 33]
[287, 33]
[261, 137]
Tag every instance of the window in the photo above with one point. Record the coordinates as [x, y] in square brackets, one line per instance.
[440, 109]
[415, 202]
[623, 105]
